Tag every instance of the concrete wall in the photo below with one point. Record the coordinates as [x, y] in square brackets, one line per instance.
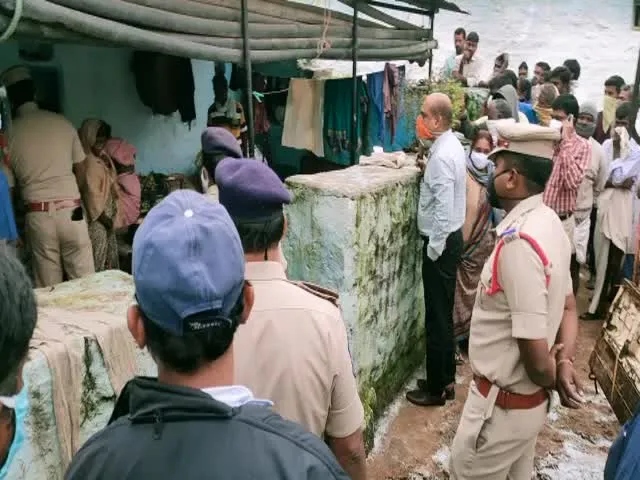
[97, 82]
[40, 457]
[354, 230]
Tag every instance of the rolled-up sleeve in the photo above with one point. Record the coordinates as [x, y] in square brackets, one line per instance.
[522, 277]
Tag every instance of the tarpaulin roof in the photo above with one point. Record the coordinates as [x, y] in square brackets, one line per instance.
[212, 29]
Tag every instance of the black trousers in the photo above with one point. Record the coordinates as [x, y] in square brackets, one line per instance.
[574, 268]
[591, 251]
[439, 281]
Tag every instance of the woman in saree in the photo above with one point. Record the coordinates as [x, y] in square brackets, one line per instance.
[477, 231]
[100, 194]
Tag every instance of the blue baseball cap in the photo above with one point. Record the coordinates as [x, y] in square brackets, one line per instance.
[188, 264]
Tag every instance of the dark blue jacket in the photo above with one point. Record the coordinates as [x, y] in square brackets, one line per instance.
[159, 432]
[623, 462]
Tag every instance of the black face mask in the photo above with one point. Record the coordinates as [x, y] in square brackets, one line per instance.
[494, 199]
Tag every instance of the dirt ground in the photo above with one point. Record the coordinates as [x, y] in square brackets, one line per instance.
[412, 443]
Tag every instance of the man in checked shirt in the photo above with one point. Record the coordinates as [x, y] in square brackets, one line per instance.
[570, 162]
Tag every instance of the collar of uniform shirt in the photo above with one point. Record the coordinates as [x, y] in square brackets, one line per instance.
[523, 207]
[256, 271]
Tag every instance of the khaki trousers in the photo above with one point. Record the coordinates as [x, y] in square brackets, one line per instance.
[492, 443]
[58, 245]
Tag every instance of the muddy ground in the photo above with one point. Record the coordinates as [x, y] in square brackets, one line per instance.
[413, 442]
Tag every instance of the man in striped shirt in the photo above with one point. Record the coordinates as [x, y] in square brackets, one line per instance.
[570, 162]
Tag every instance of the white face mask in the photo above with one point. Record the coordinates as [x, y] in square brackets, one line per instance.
[555, 124]
[479, 160]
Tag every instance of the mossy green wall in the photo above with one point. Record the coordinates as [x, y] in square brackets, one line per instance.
[355, 231]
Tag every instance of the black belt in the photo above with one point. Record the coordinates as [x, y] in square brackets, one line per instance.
[565, 216]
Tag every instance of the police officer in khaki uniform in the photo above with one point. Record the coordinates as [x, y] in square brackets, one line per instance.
[524, 324]
[293, 349]
[46, 157]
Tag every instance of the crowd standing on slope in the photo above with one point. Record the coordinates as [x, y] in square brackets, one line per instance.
[255, 378]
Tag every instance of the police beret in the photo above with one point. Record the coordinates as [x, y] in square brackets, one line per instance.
[249, 189]
[220, 140]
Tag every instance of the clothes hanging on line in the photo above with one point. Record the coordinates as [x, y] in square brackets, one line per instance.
[375, 85]
[338, 98]
[304, 116]
[391, 93]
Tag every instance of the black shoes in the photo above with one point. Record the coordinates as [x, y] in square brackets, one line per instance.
[423, 398]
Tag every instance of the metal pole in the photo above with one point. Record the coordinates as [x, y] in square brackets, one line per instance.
[354, 100]
[249, 80]
[433, 19]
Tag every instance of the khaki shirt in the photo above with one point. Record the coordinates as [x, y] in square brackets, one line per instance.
[526, 308]
[293, 351]
[43, 148]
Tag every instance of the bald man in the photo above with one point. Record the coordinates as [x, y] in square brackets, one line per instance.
[441, 212]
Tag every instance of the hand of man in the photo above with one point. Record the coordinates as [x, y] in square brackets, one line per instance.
[421, 164]
[553, 356]
[569, 386]
[568, 129]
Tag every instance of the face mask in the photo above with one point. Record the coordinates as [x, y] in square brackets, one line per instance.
[492, 193]
[586, 130]
[479, 160]
[20, 406]
[555, 124]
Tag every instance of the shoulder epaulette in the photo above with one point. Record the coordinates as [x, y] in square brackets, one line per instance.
[318, 291]
[509, 236]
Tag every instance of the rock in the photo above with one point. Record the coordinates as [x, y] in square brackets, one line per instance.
[355, 231]
[40, 456]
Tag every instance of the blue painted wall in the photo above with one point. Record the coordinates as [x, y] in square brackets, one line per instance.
[97, 82]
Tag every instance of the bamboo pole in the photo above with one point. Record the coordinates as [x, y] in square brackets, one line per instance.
[378, 15]
[79, 27]
[200, 10]
[142, 16]
[294, 43]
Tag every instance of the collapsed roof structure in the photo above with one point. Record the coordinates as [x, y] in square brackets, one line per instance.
[236, 31]
[212, 29]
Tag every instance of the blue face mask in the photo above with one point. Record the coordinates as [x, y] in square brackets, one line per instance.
[21, 407]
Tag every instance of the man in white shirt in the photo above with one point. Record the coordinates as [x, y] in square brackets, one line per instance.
[469, 67]
[441, 212]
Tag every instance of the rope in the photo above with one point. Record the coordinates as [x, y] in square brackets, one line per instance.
[13, 25]
[324, 44]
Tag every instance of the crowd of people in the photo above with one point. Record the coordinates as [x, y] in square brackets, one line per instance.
[71, 205]
[549, 186]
